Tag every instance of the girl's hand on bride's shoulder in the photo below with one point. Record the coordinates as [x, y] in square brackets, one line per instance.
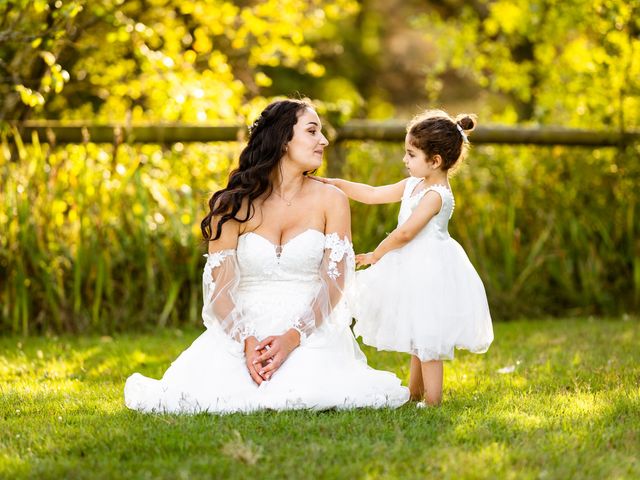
[330, 181]
[250, 355]
[275, 350]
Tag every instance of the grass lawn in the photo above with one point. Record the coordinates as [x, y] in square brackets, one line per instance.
[569, 409]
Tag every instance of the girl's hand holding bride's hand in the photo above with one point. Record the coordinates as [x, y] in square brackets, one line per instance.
[250, 355]
[276, 350]
[363, 259]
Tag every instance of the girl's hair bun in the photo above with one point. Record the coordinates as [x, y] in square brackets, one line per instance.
[466, 122]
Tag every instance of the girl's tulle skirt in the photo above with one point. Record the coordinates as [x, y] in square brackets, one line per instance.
[425, 299]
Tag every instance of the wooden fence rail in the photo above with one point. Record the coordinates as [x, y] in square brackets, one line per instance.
[60, 133]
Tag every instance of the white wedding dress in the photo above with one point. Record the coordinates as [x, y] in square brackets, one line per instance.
[261, 290]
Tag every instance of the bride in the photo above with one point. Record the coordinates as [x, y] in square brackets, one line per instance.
[280, 258]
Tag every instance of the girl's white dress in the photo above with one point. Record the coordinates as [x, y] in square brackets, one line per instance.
[259, 289]
[424, 298]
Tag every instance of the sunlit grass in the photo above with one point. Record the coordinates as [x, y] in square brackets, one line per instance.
[569, 409]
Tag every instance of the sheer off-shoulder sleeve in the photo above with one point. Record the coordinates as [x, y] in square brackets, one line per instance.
[336, 275]
[219, 284]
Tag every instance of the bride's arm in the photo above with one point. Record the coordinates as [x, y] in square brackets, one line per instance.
[337, 261]
[337, 264]
[221, 272]
[220, 278]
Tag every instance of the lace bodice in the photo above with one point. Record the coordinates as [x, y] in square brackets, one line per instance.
[438, 225]
[261, 262]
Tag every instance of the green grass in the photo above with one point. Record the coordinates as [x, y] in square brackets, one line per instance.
[571, 409]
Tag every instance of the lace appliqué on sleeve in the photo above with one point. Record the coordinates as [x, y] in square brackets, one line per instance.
[337, 250]
[335, 272]
[214, 260]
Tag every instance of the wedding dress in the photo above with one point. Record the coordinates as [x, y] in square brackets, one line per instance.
[261, 289]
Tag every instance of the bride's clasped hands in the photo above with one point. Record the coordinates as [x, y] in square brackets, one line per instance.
[265, 357]
[251, 354]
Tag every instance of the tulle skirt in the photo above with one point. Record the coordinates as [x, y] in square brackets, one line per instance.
[425, 299]
[327, 371]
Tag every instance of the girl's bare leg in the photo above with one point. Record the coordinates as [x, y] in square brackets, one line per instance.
[416, 385]
[432, 373]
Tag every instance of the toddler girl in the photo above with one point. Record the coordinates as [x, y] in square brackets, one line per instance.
[422, 295]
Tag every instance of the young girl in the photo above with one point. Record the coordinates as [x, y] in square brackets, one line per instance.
[422, 295]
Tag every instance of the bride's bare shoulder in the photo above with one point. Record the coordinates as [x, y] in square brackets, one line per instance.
[328, 194]
[334, 205]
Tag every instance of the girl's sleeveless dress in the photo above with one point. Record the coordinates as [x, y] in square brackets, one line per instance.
[424, 298]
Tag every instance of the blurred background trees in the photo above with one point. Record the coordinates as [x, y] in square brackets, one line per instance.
[105, 237]
[572, 63]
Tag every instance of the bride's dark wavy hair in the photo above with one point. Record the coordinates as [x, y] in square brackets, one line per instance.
[268, 138]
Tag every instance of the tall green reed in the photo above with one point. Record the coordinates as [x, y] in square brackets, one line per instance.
[97, 238]
[102, 239]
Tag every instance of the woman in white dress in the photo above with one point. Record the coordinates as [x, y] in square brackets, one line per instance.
[280, 257]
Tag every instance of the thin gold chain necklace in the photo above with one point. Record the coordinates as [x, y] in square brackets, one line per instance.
[288, 202]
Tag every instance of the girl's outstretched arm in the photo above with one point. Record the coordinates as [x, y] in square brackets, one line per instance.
[428, 207]
[361, 192]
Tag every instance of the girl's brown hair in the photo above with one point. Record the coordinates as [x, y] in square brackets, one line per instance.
[435, 132]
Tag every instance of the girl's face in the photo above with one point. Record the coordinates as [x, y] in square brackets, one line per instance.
[415, 159]
[307, 145]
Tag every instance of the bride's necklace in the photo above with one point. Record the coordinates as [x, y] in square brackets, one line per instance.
[288, 202]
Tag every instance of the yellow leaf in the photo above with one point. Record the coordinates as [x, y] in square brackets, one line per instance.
[315, 69]
[190, 56]
[262, 80]
[48, 57]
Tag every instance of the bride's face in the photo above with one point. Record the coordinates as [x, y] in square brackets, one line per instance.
[307, 145]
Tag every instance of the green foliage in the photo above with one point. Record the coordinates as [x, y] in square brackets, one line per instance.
[570, 409]
[102, 239]
[200, 60]
[102, 242]
[573, 63]
[33, 37]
